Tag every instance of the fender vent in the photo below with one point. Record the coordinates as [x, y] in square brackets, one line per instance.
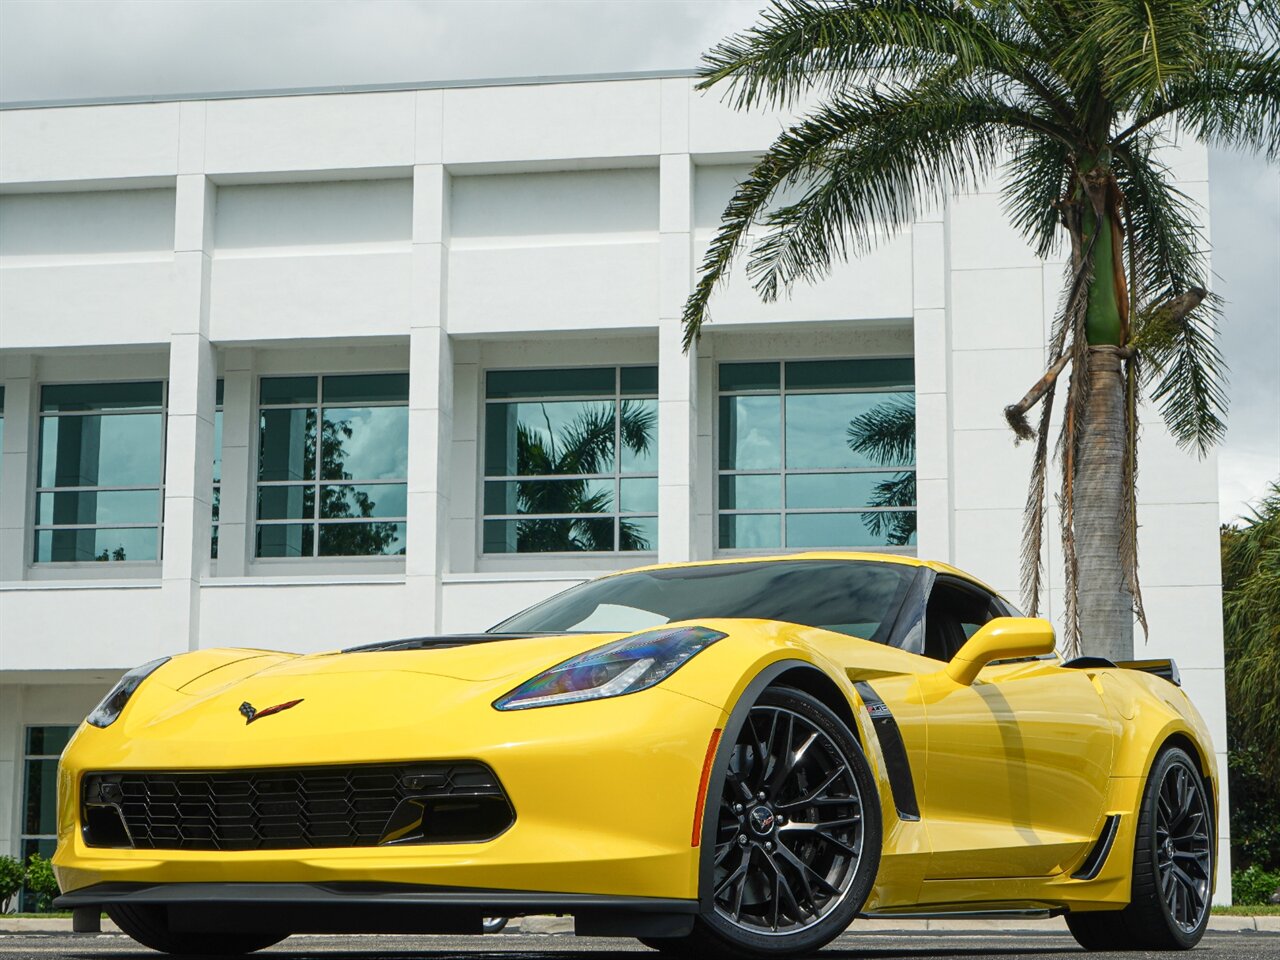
[1097, 857]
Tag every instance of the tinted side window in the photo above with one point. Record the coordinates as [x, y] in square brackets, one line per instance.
[955, 613]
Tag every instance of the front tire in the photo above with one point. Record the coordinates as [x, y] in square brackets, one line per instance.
[148, 924]
[1172, 867]
[795, 842]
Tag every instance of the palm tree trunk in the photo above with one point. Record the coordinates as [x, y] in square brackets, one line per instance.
[1105, 603]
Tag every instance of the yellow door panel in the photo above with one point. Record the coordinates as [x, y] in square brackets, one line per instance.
[1017, 770]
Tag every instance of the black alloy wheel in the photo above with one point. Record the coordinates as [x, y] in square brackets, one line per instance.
[1173, 857]
[795, 843]
[1184, 852]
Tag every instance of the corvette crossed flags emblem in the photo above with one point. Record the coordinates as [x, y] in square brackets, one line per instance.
[251, 713]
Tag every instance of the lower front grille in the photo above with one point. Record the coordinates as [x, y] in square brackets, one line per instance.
[295, 807]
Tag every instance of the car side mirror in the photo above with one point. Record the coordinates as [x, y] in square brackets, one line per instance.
[1004, 638]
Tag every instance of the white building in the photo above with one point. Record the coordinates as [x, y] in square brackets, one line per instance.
[193, 282]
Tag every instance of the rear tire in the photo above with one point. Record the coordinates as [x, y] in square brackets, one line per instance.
[795, 843]
[148, 924]
[1172, 867]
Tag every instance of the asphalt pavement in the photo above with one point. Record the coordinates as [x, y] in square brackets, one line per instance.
[860, 945]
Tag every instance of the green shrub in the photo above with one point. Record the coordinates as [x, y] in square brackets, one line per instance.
[1254, 886]
[41, 882]
[11, 876]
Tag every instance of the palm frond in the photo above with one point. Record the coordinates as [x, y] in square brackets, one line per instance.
[905, 149]
[800, 46]
[1039, 179]
[886, 434]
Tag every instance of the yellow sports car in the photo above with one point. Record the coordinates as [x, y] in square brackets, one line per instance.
[735, 757]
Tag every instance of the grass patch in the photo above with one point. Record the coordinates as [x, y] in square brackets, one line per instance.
[1238, 910]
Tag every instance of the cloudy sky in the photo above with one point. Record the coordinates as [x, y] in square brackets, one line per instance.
[51, 49]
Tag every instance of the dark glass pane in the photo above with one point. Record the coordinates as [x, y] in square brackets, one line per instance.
[367, 388]
[1, 400]
[877, 373]
[285, 540]
[851, 490]
[40, 797]
[639, 496]
[881, 529]
[361, 539]
[750, 376]
[756, 492]
[102, 544]
[213, 542]
[362, 500]
[217, 446]
[365, 443]
[822, 430]
[576, 535]
[750, 531]
[98, 507]
[639, 432]
[639, 380]
[750, 433]
[48, 740]
[293, 502]
[860, 598]
[548, 496]
[101, 451]
[568, 382]
[567, 437]
[216, 502]
[638, 533]
[101, 396]
[287, 444]
[217, 392]
[287, 390]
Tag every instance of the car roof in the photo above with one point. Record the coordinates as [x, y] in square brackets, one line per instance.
[906, 561]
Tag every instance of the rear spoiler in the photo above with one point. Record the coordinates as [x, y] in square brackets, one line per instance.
[1164, 669]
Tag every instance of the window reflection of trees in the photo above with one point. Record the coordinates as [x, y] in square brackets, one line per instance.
[584, 446]
[346, 502]
[886, 434]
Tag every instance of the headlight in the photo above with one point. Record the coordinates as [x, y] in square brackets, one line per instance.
[105, 713]
[628, 665]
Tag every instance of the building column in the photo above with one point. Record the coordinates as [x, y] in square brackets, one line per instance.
[189, 421]
[430, 401]
[932, 337]
[677, 370]
[17, 463]
[236, 501]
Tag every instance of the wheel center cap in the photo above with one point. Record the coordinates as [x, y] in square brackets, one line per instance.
[762, 820]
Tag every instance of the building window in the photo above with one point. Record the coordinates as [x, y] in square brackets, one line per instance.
[817, 453]
[345, 495]
[41, 748]
[217, 469]
[100, 489]
[571, 460]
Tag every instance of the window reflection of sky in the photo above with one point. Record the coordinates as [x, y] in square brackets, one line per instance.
[378, 447]
[818, 426]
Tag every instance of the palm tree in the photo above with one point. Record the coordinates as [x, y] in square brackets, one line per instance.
[908, 102]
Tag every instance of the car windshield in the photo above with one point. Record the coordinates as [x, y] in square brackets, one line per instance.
[855, 597]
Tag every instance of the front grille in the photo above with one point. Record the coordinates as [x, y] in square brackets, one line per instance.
[294, 808]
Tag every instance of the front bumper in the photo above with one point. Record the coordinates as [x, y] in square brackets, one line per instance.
[603, 793]
[380, 908]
